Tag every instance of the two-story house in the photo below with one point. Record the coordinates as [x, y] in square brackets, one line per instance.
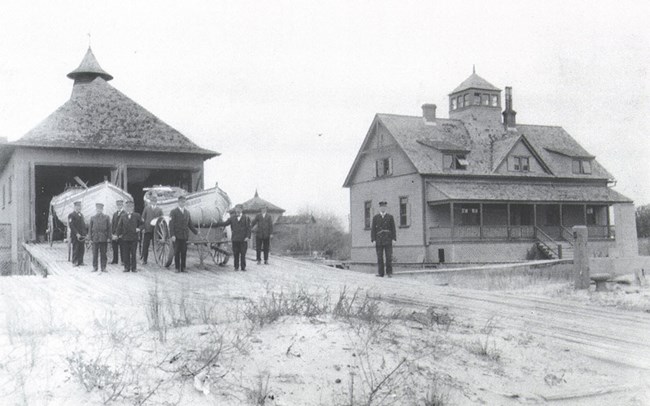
[478, 187]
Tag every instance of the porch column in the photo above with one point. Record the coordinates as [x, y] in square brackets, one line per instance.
[480, 228]
[609, 225]
[451, 219]
[561, 219]
[508, 222]
[534, 221]
[584, 211]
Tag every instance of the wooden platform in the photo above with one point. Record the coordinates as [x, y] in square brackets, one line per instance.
[53, 260]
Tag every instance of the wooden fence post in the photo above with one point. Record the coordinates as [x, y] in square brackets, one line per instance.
[580, 259]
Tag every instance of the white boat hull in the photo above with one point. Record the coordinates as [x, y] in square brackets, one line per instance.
[105, 192]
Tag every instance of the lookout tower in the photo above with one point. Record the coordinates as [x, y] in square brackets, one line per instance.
[476, 99]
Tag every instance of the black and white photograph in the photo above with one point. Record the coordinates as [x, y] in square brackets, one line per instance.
[324, 203]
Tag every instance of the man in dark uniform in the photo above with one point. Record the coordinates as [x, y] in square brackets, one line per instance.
[382, 233]
[78, 231]
[128, 230]
[151, 212]
[99, 233]
[180, 225]
[116, 243]
[240, 227]
[263, 234]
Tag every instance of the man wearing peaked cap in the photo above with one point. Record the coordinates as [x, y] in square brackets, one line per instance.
[78, 230]
[116, 243]
[382, 233]
[100, 234]
[128, 229]
[180, 225]
[151, 212]
[240, 227]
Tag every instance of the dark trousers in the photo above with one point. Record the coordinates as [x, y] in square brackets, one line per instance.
[78, 249]
[117, 250]
[99, 248]
[262, 244]
[130, 254]
[180, 254]
[146, 241]
[239, 249]
[381, 250]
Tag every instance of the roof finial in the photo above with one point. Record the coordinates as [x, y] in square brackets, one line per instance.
[256, 195]
[474, 68]
[88, 40]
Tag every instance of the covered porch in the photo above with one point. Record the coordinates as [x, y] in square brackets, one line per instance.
[516, 221]
[482, 210]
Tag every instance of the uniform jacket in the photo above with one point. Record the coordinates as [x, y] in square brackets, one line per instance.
[241, 229]
[264, 225]
[115, 220]
[126, 227]
[180, 224]
[383, 230]
[100, 228]
[148, 214]
[77, 224]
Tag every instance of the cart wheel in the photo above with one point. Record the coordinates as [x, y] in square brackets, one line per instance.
[220, 253]
[163, 248]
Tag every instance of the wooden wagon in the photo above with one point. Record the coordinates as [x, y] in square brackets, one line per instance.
[206, 208]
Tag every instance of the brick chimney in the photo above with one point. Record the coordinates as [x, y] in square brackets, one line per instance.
[429, 113]
[509, 121]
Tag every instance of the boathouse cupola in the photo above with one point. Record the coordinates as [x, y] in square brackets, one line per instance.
[88, 70]
[476, 99]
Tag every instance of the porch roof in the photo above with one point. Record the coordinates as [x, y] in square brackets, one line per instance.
[543, 192]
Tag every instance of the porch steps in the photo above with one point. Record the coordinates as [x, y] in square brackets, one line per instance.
[567, 251]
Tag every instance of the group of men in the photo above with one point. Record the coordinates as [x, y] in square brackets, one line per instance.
[124, 228]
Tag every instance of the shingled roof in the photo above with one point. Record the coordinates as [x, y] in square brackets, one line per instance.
[255, 205]
[487, 145]
[98, 116]
[474, 81]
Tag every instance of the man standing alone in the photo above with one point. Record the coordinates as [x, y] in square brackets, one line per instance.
[180, 225]
[263, 234]
[128, 230]
[100, 234]
[116, 243]
[382, 233]
[240, 226]
[151, 212]
[78, 231]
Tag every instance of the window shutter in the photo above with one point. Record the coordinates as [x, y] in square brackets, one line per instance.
[390, 166]
[378, 165]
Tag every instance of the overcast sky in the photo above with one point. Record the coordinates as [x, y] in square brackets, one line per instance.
[258, 81]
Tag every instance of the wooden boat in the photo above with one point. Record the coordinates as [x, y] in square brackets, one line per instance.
[63, 204]
[206, 207]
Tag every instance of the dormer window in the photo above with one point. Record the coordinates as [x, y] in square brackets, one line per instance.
[519, 164]
[582, 166]
[454, 161]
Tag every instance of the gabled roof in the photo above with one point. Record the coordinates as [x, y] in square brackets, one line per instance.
[474, 81]
[98, 116]
[487, 143]
[255, 205]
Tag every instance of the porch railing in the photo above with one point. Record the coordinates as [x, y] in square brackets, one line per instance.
[469, 233]
[549, 242]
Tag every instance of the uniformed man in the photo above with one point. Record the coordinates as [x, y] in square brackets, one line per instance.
[382, 233]
[180, 225]
[128, 230]
[116, 243]
[151, 212]
[99, 232]
[240, 227]
[263, 234]
[78, 231]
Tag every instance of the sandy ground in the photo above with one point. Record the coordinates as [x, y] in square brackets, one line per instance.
[414, 341]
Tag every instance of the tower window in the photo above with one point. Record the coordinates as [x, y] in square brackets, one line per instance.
[495, 100]
[453, 103]
[461, 101]
[477, 99]
[466, 99]
[485, 99]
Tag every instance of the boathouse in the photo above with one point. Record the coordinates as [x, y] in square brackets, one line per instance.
[478, 187]
[98, 134]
